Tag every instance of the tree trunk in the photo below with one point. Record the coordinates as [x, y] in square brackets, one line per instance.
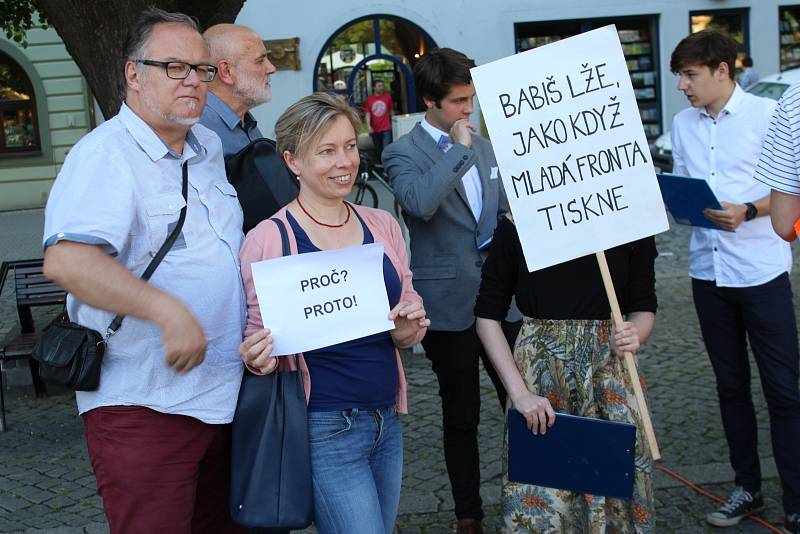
[94, 33]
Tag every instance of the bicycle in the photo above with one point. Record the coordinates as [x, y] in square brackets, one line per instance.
[365, 194]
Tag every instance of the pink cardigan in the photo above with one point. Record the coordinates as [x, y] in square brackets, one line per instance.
[264, 242]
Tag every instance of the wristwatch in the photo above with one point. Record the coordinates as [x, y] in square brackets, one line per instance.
[752, 211]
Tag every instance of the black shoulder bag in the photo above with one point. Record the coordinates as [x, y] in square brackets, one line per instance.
[270, 455]
[70, 354]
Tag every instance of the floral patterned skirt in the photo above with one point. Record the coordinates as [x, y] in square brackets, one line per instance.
[570, 363]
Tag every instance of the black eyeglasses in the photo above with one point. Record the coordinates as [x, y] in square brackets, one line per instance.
[178, 70]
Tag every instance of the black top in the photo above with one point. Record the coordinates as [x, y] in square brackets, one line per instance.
[570, 290]
[263, 183]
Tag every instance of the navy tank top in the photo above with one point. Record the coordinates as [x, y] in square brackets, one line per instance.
[361, 373]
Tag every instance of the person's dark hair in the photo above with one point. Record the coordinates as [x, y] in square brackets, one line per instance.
[376, 81]
[747, 61]
[708, 47]
[438, 70]
[141, 29]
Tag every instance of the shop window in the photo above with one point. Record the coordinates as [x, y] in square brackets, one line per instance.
[731, 21]
[789, 20]
[382, 47]
[639, 39]
[19, 132]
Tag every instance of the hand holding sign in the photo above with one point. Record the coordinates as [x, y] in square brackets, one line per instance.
[318, 299]
[568, 137]
[409, 318]
[256, 352]
[569, 141]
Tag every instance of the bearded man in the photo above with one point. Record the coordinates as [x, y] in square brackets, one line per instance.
[242, 83]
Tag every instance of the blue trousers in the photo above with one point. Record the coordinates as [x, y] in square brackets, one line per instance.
[357, 470]
[381, 140]
[764, 315]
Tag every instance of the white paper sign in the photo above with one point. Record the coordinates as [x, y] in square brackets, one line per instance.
[318, 299]
[573, 156]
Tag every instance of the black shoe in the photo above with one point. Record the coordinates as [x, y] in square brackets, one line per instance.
[792, 524]
[739, 505]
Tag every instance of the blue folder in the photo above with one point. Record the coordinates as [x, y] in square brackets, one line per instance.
[577, 454]
[686, 198]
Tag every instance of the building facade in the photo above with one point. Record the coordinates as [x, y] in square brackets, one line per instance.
[44, 112]
[344, 47]
[360, 41]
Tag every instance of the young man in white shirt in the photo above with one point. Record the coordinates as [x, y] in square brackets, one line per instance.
[739, 277]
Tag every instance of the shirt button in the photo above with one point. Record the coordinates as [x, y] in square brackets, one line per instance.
[715, 249]
[713, 174]
[712, 148]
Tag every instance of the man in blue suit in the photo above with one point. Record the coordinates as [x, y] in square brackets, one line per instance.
[447, 182]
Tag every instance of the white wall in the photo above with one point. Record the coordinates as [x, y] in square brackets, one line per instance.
[484, 30]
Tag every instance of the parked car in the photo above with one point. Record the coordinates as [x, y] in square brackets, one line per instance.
[772, 86]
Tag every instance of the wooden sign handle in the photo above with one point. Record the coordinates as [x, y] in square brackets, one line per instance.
[630, 362]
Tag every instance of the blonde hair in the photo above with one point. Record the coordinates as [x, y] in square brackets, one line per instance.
[304, 122]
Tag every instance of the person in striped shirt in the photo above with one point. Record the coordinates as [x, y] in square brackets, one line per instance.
[779, 164]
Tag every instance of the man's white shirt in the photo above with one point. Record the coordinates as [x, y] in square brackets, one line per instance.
[724, 152]
[120, 189]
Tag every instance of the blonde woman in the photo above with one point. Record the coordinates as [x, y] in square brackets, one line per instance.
[358, 386]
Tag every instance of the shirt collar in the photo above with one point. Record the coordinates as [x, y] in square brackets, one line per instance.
[151, 143]
[226, 113]
[432, 130]
[733, 104]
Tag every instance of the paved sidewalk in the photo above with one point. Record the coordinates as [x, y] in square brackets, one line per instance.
[46, 484]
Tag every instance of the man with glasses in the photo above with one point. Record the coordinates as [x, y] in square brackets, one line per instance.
[157, 427]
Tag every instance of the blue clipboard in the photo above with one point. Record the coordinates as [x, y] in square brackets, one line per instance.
[577, 454]
[687, 197]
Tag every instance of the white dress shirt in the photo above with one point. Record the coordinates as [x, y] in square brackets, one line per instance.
[471, 179]
[724, 151]
[120, 189]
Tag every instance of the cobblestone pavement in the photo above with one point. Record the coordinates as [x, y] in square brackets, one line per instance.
[46, 484]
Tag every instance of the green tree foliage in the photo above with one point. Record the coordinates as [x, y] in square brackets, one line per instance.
[19, 16]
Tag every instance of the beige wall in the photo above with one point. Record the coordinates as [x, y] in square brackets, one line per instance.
[62, 105]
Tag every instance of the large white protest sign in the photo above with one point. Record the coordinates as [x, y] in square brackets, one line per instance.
[318, 299]
[574, 159]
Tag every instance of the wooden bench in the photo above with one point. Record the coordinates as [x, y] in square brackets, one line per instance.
[31, 289]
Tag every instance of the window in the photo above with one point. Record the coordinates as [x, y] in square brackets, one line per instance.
[790, 37]
[19, 130]
[731, 21]
[639, 38]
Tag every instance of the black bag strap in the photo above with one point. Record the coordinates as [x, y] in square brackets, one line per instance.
[151, 267]
[286, 251]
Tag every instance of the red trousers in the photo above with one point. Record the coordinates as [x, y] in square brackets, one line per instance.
[160, 473]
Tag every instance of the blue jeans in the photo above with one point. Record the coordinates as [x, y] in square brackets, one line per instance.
[381, 140]
[357, 470]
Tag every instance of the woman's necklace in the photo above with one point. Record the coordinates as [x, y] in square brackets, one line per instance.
[346, 205]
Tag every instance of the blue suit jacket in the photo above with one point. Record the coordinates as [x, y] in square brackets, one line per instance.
[444, 233]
